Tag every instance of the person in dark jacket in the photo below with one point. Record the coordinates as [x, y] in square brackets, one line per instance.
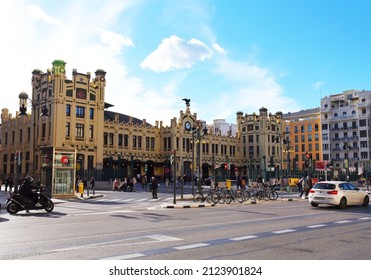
[154, 187]
[28, 188]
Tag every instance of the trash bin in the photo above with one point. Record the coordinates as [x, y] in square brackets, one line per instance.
[81, 187]
[228, 184]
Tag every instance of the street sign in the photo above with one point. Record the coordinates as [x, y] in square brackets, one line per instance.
[321, 165]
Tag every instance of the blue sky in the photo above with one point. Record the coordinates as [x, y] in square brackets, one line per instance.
[226, 56]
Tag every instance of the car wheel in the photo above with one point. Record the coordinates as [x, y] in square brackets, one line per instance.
[366, 201]
[343, 203]
[314, 204]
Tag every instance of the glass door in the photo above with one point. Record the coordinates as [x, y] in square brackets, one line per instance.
[63, 181]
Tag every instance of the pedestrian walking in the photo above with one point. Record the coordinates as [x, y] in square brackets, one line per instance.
[144, 182]
[124, 185]
[92, 185]
[131, 184]
[305, 186]
[7, 183]
[77, 181]
[154, 187]
[115, 185]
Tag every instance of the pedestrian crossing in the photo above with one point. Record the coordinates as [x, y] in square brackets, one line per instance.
[130, 200]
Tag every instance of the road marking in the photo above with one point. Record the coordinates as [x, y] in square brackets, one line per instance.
[142, 199]
[283, 231]
[162, 237]
[191, 246]
[343, 222]
[101, 213]
[125, 257]
[124, 242]
[243, 237]
[316, 226]
[364, 218]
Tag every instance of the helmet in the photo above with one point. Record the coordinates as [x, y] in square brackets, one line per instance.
[29, 179]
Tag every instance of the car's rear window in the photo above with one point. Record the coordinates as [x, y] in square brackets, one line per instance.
[324, 186]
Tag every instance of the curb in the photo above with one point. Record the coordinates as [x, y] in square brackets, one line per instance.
[86, 197]
[173, 206]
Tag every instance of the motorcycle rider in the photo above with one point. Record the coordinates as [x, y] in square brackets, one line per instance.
[28, 188]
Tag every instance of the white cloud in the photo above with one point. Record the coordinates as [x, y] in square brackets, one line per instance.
[218, 48]
[113, 40]
[249, 87]
[39, 13]
[176, 53]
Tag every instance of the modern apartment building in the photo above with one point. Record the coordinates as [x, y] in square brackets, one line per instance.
[304, 131]
[345, 121]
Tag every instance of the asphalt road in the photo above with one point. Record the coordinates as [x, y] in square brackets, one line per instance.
[121, 226]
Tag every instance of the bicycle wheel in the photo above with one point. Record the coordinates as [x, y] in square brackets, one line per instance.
[247, 194]
[228, 197]
[215, 197]
[259, 195]
[273, 195]
[209, 198]
[240, 196]
[266, 194]
[198, 197]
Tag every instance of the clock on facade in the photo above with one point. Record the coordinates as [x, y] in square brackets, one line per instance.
[187, 125]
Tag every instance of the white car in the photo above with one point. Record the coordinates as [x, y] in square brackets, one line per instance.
[337, 193]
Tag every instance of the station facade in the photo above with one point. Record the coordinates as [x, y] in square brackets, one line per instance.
[65, 129]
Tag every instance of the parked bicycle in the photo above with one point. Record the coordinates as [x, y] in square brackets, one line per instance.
[264, 191]
[200, 197]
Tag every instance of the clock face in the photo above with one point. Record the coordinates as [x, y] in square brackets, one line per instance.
[187, 125]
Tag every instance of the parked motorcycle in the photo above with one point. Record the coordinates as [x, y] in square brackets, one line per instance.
[17, 202]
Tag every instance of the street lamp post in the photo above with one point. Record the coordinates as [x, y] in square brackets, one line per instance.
[193, 160]
[199, 140]
[23, 102]
[346, 161]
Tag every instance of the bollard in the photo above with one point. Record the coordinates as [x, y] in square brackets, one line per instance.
[81, 189]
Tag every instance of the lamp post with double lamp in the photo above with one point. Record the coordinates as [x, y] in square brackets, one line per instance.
[196, 133]
[24, 101]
